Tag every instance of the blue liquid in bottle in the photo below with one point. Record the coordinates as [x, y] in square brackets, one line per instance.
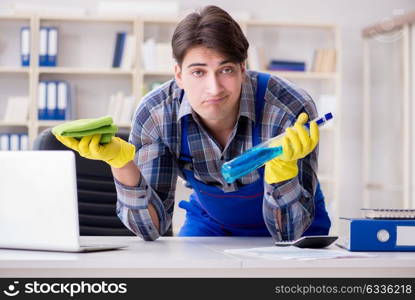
[248, 162]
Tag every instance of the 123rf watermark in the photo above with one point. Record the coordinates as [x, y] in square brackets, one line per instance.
[71, 289]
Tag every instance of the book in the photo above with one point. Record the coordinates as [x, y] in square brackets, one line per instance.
[148, 58]
[17, 109]
[324, 60]
[286, 65]
[127, 110]
[121, 108]
[119, 49]
[256, 58]
[128, 55]
[388, 213]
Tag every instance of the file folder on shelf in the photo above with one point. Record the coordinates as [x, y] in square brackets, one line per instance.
[62, 100]
[377, 234]
[4, 142]
[25, 46]
[41, 101]
[52, 49]
[24, 142]
[51, 100]
[43, 47]
[14, 141]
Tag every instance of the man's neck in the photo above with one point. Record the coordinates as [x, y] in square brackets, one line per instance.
[218, 126]
[221, 129]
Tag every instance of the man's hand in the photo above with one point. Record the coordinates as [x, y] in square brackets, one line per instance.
[117, 153]
[297, 143]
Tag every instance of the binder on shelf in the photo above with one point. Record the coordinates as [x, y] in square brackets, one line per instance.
[51, 103]
[62, 101]
[377, 234]
[54, 101]
[70, 113]
[24, 142]
[25, 46]
[14, 142]
[41, 101]
[4, 142]
[119, 49]
[52, 48]
[43, 47]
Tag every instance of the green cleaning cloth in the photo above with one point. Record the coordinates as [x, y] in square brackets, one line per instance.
[85, 127]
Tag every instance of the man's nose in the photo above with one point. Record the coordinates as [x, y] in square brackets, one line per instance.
[214, 86]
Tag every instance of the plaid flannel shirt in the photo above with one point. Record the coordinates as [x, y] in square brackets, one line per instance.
[156, 134]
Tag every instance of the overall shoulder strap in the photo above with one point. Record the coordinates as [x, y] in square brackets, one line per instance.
[262, 83]
[184, 144]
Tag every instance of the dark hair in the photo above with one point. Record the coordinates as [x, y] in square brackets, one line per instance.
[211, 27]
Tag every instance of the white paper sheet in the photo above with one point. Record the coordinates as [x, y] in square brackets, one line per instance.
[292, 252]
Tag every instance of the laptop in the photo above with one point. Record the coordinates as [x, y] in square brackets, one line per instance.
[38, 202]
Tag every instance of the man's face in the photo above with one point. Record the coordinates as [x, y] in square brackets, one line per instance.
[212, 83]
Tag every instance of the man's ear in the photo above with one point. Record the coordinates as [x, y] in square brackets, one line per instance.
[178, 75]
[243, 67]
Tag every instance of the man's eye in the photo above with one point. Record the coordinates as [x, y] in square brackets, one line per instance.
[227, 70]
[197, 73]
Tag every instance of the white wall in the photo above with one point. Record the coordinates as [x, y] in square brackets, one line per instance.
[351, 16]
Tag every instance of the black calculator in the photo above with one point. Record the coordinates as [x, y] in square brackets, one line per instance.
[311, 241]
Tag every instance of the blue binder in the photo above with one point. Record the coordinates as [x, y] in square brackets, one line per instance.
[42, 100]
[4, 142]
[52, 48]
[62, 99]
[43, 47]
[25, 46]
[51, 102]
[377, 234]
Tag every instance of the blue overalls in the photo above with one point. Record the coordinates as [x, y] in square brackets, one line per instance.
[212, 212]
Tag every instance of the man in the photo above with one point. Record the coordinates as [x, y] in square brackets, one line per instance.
[211, 112]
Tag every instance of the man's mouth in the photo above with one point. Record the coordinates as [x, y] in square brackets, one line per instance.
[214, 100]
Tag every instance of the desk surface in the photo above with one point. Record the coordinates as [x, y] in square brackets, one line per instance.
[193, 257]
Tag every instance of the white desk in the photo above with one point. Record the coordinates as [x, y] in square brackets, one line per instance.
[193, 257]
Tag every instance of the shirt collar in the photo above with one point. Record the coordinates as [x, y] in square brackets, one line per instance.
[185, 108]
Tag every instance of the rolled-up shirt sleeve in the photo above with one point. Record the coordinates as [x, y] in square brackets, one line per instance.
[293, 198]
[157, 184]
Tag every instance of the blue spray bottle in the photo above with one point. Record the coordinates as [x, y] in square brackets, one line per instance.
[257, 156]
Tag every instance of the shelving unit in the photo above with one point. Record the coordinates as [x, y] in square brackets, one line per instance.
[85, 52]
[278, 38]
[389, 131]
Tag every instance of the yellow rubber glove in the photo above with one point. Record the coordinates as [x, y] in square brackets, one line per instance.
[116, 153]
[297, 143]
